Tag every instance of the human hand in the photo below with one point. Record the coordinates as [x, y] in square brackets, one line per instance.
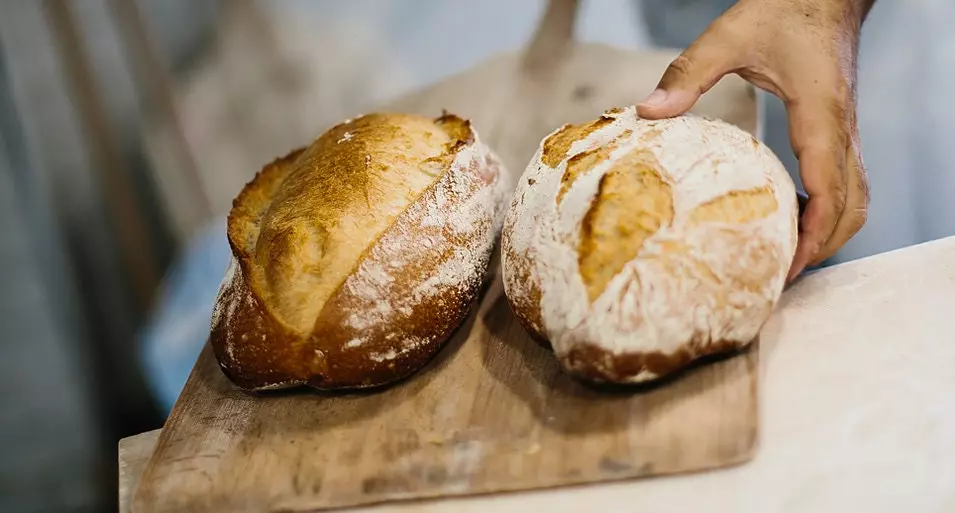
[804, 52]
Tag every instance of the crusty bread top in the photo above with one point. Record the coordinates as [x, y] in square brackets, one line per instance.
[304, 233]
[645, 236]
[354, 259]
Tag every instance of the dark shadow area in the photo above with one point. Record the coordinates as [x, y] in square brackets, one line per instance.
[569, 405]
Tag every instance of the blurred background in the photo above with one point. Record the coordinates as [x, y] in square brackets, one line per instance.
[127, 127]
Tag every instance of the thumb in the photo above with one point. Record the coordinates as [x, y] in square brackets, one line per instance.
[690, 75]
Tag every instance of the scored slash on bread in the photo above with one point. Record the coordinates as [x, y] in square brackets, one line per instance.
[632, 247]
[635, 247]
[355, 259]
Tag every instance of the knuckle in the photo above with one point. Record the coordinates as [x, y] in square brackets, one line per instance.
[822, 146]
[677, 72]
[821, 141]
[825, 123]
[839, 200]
[682, 65]
[837, 107]
[839, 195]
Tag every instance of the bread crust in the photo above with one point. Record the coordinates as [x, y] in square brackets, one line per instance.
[405, 295]
[636, 247]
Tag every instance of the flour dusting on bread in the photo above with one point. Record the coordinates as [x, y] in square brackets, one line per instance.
[277, 322]
[222, 306]
[460, 239]
[708, 212]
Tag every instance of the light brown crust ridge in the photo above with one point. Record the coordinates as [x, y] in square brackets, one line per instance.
[339, 196]
[737, 207]
[349, 343]
[557, 145]
[632, 203]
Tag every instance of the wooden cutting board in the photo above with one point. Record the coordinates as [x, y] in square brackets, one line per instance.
[493, 411]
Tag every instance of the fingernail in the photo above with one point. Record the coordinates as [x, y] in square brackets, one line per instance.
[656, 98]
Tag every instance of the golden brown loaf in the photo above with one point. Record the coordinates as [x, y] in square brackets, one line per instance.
[635, 247]
[355, 258]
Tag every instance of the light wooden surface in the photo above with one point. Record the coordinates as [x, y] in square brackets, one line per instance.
[493, 412]
[857, 410]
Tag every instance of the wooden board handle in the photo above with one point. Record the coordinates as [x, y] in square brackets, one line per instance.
[552, 36]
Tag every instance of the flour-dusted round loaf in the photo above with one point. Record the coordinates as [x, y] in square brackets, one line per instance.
[354, 259]
[636, 247]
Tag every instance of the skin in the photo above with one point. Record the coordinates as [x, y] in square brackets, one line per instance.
[804, 52]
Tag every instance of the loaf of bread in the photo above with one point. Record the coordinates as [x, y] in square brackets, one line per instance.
[635, 247]
[355, 258]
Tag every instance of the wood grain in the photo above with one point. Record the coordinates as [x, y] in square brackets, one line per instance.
[133, 454]
[492, 412]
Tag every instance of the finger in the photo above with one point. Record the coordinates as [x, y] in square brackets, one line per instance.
[857, 202]
[818, 132]
[690, 75]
